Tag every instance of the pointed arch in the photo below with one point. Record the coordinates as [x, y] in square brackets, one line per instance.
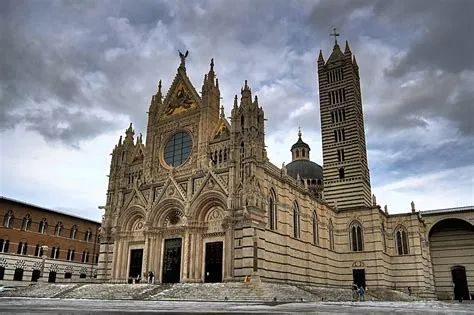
[296, 220]
[356, 236]
[331, 235]
[272, 210]
[401, 240]
[315, 228]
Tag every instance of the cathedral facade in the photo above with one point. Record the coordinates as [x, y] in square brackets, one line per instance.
[199, 200]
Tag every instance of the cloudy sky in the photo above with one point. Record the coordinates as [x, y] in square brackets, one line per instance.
[74, 74]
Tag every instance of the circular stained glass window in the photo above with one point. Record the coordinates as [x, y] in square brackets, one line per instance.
[178, 148]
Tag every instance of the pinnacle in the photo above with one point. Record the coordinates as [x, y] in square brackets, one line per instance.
[347, 50]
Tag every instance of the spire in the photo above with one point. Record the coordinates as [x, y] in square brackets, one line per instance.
[255, 100]
[212, 64]
[320, 58]
[129, 133]
[347, 50]
[120, 140]
[246, 93]
[159, 95]
[235, 101]
[299, 132]
[222, 112]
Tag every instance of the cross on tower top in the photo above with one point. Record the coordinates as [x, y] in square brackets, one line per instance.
[335, 34]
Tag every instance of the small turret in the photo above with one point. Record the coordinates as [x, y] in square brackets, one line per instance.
[246, 93]
[129, 133]
[347, 50]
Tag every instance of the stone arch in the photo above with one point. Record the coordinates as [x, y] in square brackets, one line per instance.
[129, 218]
[166, 212]
[205, 202]
[440, 221]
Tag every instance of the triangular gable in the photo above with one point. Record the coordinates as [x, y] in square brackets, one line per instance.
[222, 130]
[139, 153]
[211, 182]
[181, 96]
[135, 197]
[171, 189]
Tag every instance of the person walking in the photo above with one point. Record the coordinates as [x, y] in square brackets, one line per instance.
[361, 293]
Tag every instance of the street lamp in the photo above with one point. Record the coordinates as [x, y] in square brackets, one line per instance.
[44, 249]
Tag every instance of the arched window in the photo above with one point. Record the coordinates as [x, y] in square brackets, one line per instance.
[70, 254]
[87, 235]
[315, 229]
[43, 226]
[296, 220]
[58, 229]
[384, 242]
[22, 248]
[55, 252]
[8, 219]
[401, 240]
[73, 232]
[356, 237]
[85, 257]
[297, 153]
[331, 235]
[272, 212]
[39, 251]
[26, 224]
[4, 243]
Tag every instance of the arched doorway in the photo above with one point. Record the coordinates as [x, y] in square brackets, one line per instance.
[461, 290]
[451, 246]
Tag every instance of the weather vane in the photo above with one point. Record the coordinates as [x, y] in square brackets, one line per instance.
[335, 36]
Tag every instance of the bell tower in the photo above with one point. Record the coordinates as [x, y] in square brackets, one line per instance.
[346, 171]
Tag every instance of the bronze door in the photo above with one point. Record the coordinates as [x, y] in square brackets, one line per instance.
[136, 260]
[213, 269]
[172, 261]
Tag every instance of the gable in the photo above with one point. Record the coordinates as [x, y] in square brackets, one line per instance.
[181, 97]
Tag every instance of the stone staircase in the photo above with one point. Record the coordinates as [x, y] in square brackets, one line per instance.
[229, 291]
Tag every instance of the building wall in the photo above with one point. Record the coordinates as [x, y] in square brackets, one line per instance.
[16, 234]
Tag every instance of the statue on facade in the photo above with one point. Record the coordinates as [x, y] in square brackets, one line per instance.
[183, 57]
[412, 206]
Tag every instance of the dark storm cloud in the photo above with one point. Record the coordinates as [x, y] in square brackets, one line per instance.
[439, 51]
[57, 53]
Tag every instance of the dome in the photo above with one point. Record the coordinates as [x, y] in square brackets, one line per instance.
[300, 144]
[306, 168]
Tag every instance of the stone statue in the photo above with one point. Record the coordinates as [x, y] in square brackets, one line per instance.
[183, 57]
[385, 208]
[374, 200]
[412, 206]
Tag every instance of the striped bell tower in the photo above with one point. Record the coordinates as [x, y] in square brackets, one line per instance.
[345, 168]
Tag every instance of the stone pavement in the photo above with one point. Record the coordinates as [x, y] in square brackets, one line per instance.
[230, 291]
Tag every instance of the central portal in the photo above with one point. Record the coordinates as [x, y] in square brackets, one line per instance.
[213, 269]
[172, 261]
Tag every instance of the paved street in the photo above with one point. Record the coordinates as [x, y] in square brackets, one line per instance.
[76, 306]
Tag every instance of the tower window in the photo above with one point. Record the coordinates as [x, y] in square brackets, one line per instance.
[297, 153]
[341, 173]
[340, 155]
[339, 135]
